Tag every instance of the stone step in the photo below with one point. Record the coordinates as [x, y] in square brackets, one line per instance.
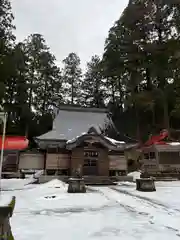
[98, 180]
[89, 180]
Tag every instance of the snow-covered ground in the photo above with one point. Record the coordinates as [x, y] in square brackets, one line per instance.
[47, 211]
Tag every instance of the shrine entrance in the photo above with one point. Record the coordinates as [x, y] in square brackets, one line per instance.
[90, 166]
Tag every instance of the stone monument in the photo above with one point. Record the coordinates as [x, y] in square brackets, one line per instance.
[76, 183]
[145, 185]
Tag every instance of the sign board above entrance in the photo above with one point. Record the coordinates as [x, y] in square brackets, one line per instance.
[90, 153]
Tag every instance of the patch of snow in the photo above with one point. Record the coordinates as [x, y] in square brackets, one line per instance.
[16, 184]
[162, 197]
[74, 139]
[174, 143]
[137, 203]
[128, 184]
[55, 183]
[38, 173]
[4, 200]
[118, 212]
[135, 175]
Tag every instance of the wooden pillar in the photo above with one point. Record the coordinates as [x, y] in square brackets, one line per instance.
[45, 154]
[103, 162]
[77, 159]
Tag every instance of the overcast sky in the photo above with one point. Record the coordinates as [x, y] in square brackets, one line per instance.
[79, 26]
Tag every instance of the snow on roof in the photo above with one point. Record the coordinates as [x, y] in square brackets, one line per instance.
[70, 123]
[74, 139]
[174, 143]
[113, 141]
[116, 144]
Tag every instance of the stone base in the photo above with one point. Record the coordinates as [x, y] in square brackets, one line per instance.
[76, 185]
[145, 185]
[5, 215]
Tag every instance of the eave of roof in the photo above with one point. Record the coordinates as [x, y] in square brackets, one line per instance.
[96, 138]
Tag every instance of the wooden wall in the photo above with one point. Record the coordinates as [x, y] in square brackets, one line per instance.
[161, 158]
[77, 159]
[169, 161]
[117, 162]
[103, 161]
[57, 161]
[74, 160]
[169, 157]
[10, 162]
[31, 161]
[150, 165]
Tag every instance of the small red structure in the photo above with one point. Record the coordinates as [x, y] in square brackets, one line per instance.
[161, 157]
[157, 139]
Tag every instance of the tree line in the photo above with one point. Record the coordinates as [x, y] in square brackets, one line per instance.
[137, 77]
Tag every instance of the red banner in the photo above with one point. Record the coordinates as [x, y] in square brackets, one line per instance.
[14, 143]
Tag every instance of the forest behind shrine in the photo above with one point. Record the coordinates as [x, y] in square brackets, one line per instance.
[137, 78]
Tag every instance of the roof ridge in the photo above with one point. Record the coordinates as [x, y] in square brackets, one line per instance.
[76, 108]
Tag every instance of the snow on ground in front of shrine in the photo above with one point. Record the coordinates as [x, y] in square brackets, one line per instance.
[47, 211]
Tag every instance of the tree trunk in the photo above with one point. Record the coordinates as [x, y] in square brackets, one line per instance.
[153, 116]
[166, 114]
[120, 94]
[162, 82]
[112, 92]
[31, 92]
[148, 79]
[45, 98]
[72, 93]
[138, 131]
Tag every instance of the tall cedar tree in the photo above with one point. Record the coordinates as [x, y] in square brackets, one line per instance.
[93, 86]
[140, 52]
[35, 45]
[6, 41]
[49, 85]
[16, 90]
[44, 80]
[72, 78]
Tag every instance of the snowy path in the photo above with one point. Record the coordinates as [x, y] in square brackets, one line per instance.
[154, 212]
[46, 211]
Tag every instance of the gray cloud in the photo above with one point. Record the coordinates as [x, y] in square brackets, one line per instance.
[79, 26]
